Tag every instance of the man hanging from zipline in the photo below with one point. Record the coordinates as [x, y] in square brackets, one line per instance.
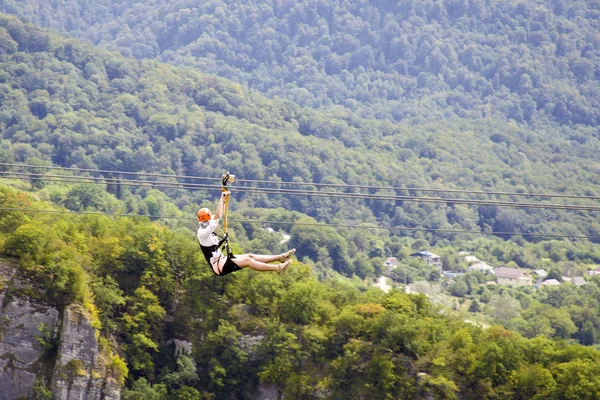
[223, 264]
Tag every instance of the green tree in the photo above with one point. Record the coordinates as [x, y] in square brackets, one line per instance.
[82, 197]
[576, 379]
[279, 352]
[299, 303]
[475, 307]
[142, 328]
[224, 361]
[534, 382]
[142, 390]
[459, 288]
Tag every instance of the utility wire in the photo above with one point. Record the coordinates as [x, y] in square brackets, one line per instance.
[337, 185]
[105, 171]
[36, 210]
[262, 190]
[397, 228]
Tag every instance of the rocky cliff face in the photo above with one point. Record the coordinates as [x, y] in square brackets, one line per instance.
[21, 351]
[80, 373]
[38, 343]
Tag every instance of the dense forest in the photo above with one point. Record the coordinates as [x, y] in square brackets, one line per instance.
[533, 61]
[68, 104]
[455, 94]
[144, 284]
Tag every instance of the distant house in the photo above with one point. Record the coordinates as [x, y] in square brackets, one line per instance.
[593, 272]
[429, 258]
[481, 267]
[579, 281]
[451, 274]
[539, 276]
[550, 282]
[390, 264]
[471, 259]
[540, 272]
[513, 277]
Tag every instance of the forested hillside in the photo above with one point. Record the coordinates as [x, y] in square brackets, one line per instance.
[490, 97]
[534, 61]
[68, 104]
[146, 289]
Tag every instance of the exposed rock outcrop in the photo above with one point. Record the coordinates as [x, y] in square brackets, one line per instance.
[38, 342]
[21, 348]
[80, 371]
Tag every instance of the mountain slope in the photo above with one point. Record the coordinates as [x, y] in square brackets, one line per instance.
[535, 61]
[69, 104]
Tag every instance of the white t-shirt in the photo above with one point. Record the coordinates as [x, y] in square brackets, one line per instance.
[207, 239]
[205, 235]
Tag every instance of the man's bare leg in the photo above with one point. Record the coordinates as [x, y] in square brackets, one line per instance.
[246, 261]
[267, 258]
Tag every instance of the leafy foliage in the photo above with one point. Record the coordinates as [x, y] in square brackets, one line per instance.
[524, 68]
[302, 336]
[66, 103]
[535, 62]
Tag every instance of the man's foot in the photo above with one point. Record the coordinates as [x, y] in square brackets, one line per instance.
[282, 267]
[287, 255]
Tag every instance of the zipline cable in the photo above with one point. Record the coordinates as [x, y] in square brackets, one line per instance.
[361, 196]
[106, 171]
[309, 224]
[337, 185]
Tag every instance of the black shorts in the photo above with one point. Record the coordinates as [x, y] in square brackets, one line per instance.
[229, 267]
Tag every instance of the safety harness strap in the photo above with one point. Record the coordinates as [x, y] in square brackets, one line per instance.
[225, 239]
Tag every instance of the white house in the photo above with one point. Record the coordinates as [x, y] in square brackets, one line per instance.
[471, 259]
[550, 282]
[481, 267]
[513, 277]
[593, 272]
[540, 272]
[579, 281]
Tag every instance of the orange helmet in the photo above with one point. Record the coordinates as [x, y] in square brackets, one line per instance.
[204, 215]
